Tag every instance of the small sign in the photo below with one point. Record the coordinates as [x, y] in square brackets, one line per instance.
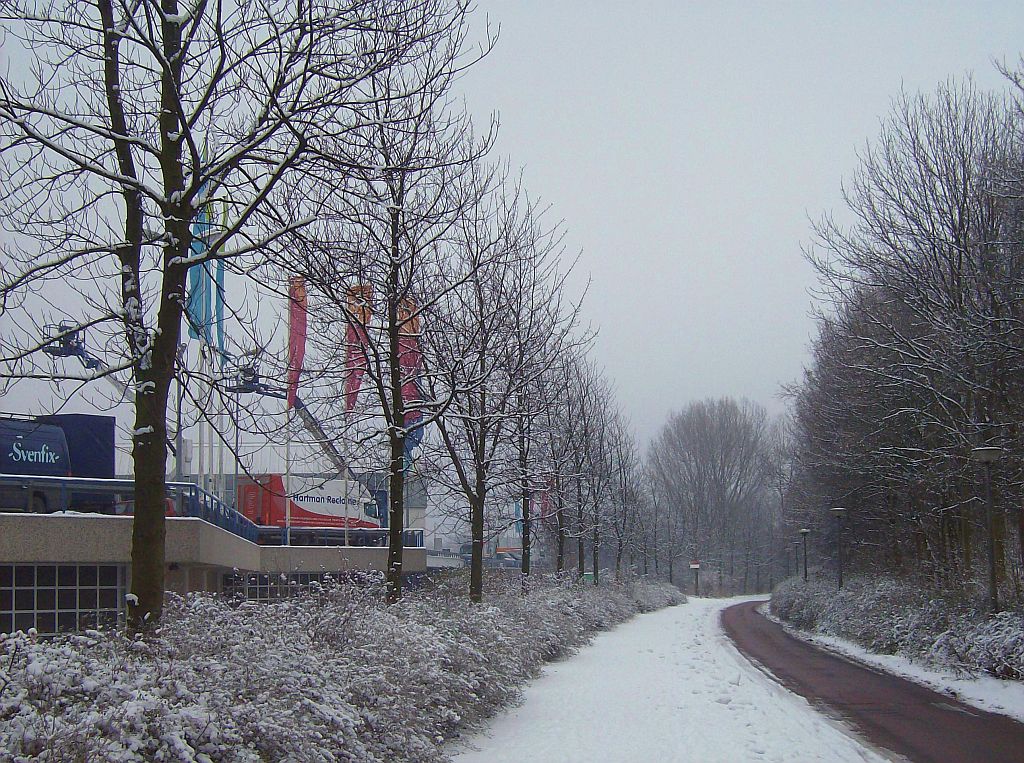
[694, 565]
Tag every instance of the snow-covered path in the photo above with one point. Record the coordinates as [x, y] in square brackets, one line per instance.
[667, 686]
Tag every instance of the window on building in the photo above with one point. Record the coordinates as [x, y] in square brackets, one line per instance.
[54, 598]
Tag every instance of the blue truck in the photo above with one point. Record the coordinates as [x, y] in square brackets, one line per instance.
[61, 445]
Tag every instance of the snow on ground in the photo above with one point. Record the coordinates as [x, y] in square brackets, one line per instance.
[666, 686]
[984, 692]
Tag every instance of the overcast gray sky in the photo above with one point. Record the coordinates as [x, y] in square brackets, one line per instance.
[687, 144]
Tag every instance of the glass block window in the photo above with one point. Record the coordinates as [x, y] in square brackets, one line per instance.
[256, 586]
[54, 598]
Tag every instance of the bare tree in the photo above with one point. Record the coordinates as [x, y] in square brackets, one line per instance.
[490, 341]
[919, 358]
[709, 461]
[379, 254]
[133, 116]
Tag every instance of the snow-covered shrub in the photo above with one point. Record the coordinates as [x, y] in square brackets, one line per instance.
[335, 675]
[889, 616]
[994, 645]
[796, 603]
[652, 597]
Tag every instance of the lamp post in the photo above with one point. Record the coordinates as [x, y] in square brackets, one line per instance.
[988, 455]
[804, 532]
[839, 513]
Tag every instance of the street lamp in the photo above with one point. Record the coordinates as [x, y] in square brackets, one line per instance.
[804, 532]
[988, 455]
[839, 513]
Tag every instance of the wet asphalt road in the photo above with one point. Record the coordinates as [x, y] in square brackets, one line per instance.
[889, 712]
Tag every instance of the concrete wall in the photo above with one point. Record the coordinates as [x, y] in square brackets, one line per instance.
[198, 553]
[331, 558]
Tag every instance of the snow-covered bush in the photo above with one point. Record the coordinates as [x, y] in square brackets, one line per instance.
[993, 645]
[650, 597]
[889, 616]
[334, 675]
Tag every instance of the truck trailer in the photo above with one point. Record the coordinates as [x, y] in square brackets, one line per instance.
[323, 511]
[62, 445]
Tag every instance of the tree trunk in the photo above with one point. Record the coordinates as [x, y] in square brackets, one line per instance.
[476, 577]
[149, 457]
[396, 517]
[654, 542]
[524, 488]
[581, 552]
[527, 532]
[154, 363]
[1020, 534]
[560, 524]
[476, 567]
[396, 477]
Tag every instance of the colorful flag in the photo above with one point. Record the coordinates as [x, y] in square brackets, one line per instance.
[296, 334]
[204, 307]
[359, 314]
[198, 310]
[218, 294]
[410, 359]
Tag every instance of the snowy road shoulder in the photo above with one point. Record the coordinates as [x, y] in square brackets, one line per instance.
[667, 686]
[984, 692]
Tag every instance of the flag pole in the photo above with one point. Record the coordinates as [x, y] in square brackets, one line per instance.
[201, 470]
[221, 481]
[345, 495]
[296, 352]
[288, 478]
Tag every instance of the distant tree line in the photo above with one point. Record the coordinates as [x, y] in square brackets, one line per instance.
[919, 356]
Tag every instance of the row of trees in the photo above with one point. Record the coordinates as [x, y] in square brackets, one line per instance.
[920, 352]
[318, 139]
[712, 487]
[716, 468]
[151, 141]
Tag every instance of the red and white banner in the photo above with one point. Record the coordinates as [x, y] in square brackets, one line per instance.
[296, 334]
[410, 358]
[359, 314]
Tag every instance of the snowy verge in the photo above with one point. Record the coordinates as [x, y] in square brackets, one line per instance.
[921, 638]
[335, 675]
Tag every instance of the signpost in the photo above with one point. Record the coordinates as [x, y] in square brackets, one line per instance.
[695, 566]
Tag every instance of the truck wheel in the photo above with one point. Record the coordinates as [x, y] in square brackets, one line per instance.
[39, 504]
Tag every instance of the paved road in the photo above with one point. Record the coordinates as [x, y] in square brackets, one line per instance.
[901, 716]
